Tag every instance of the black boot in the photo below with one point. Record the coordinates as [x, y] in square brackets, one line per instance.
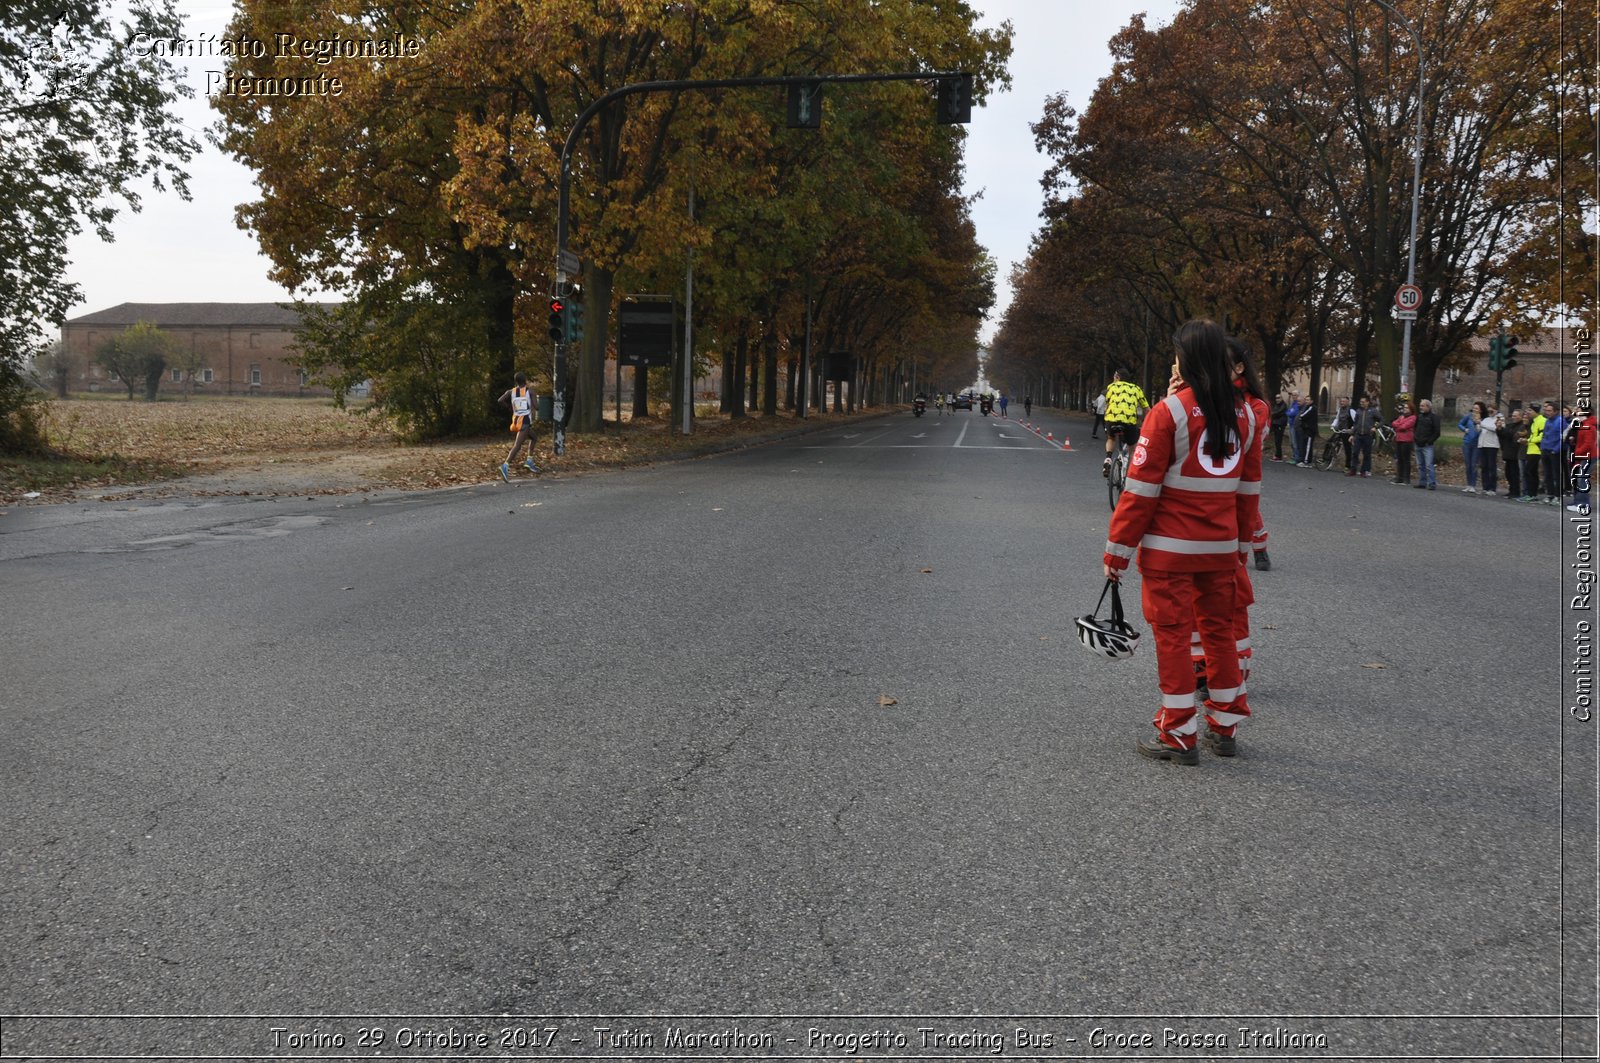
[1263, 562]
[1220, 744]
[1156, 749]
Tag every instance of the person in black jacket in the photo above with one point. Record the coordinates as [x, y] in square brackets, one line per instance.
[1427, 436]
[1511, 450]
[1280, 422]
[1362, 424]
[1307, 423]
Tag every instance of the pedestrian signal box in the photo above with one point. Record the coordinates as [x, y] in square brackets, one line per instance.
[558, 320]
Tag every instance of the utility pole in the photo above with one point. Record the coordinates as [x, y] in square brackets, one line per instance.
[687, 418]
[1416, 190]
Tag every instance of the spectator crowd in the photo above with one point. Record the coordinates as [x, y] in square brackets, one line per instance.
[1547, 454]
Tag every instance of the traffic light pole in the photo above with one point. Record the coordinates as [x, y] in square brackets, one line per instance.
[1499, 367]
[563, 273]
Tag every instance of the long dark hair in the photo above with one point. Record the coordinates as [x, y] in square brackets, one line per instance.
[1241, 356]
[1205, 365]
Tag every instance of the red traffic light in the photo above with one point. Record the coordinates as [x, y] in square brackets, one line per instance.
[556, 306]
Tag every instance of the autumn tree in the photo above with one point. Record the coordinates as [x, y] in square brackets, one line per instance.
[85, 116]
[441, 168]
[137, 356]
[1273, 144]
[53, 367]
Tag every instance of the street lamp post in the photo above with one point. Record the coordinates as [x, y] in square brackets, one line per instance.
[1416, 190]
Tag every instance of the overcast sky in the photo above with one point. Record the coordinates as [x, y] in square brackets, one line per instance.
[176, 251]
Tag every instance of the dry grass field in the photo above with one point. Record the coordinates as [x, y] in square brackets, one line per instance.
[112, 449]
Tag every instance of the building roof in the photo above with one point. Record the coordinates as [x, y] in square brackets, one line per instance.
[179, 315]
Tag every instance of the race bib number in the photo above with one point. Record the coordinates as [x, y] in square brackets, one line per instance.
[521, 405]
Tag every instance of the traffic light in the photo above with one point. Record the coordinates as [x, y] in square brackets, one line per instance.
[805, 105]
[574, 322]
[1508, 354]
[1497, 354]
[955, 100]
[558, 320]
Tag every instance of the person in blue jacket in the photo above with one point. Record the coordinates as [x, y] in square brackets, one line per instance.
[1294, 429]
[1469, 425]
[1555, 427]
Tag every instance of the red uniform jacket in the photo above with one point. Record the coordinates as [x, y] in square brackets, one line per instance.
[1263, 414]
[1181, 509]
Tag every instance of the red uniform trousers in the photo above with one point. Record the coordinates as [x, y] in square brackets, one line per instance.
[1175, 603]
[1244, 597]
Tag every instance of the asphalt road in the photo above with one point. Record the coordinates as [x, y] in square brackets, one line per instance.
[623, 745]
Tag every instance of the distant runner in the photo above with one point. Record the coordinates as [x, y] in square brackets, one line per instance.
[520, 398]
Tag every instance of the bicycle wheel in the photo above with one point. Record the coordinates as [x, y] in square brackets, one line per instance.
[1329, 449]
[1119, 474]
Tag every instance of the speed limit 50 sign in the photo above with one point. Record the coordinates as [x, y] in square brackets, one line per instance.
[1407, 297]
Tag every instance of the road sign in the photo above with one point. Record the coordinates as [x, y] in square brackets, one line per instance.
[1408, 297]
[569, 263]
[645, 333]
[1405, 315]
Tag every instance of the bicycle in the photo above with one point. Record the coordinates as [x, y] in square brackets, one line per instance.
[1382, 442]
[1333, 448]
[1118, 474]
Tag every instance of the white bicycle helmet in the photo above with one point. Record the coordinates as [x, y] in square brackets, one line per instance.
[1111, 636]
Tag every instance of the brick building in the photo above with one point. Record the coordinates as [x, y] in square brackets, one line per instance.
[244, 347]
[1537, 376]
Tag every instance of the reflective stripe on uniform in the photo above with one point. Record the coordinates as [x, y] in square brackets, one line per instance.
[1184, 546]
[1118, 550]
[1184, 730]
[1180, 430]
[1141, 487]
[1224, 718]
[1223, 485]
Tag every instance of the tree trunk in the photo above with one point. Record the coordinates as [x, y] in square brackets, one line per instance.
[769, 375]
[498, 293]
[755, 380]
[641, 392]
[741, 351]
[589, 378]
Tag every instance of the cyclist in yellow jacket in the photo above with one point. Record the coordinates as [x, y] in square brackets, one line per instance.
[1125, 406]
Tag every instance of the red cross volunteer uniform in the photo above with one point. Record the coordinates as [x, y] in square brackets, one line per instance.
[1245, 592]
[1191, 549]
